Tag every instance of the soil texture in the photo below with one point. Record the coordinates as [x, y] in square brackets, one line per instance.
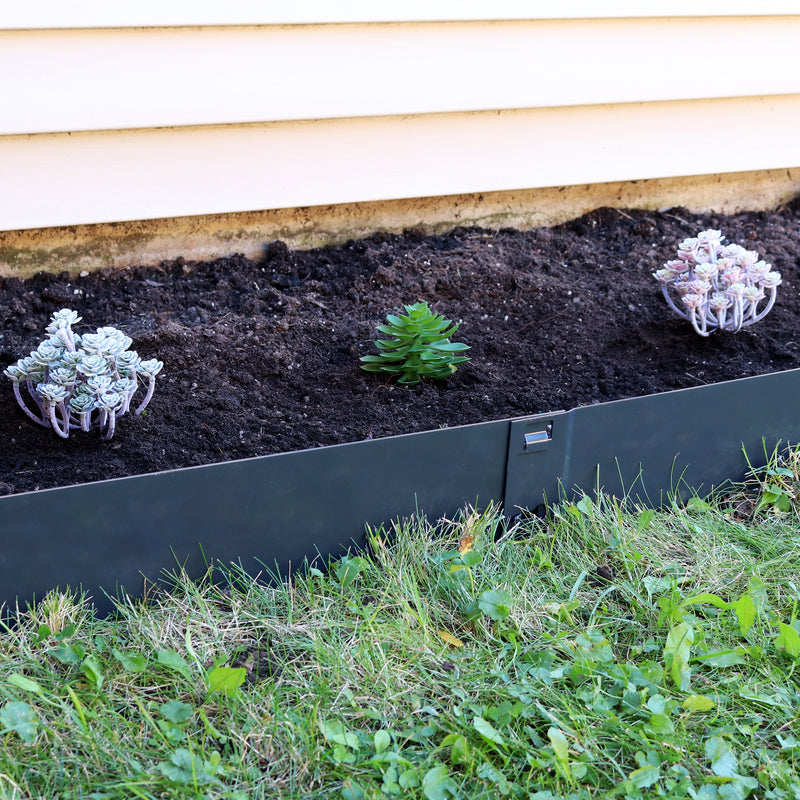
[263, 356]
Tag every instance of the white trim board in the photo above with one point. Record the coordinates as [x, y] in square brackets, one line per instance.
[59, 179]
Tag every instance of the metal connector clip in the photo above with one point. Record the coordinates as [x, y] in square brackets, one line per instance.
[533, 438]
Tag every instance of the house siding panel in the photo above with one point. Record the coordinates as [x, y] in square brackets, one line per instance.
[103, 122]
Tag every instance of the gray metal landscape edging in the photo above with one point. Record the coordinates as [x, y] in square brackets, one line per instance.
[278, 510]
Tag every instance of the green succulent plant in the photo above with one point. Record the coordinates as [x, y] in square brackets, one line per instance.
[419, 346]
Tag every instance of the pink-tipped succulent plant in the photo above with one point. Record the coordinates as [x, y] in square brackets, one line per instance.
[716, 286]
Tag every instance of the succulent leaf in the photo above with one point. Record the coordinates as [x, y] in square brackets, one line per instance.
[52, 393]
[151, 368]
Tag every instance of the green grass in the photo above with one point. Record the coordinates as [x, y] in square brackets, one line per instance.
[601, 652]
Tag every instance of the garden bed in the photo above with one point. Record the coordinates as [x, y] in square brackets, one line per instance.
[262, 357]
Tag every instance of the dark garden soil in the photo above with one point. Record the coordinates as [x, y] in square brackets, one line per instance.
[262, 356]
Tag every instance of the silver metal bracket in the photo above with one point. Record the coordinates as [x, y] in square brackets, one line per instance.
[534, 440]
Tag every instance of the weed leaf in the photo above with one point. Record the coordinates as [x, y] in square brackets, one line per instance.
[26, 684]
[749, 693]
[187, 768]
[660, 725]
[705, 597]
[585, 506]
[171, 659]
[560, 747]
[382, 740]
[721, 658]
[697, 504]
[471, 558]
[698, 702]
[719, 753]
[488, 732]
[788, 639]
[459, 748]
[336, 733]
[70, 654]
[348, 570]
[677, 651]
[438, 785]
[645, 518]
[745, 610]
[353, 790]
[645, 776]
[20, 718]
[177, 712]
[131, 662]
[495, 604]
[93, 671]
[226, 680]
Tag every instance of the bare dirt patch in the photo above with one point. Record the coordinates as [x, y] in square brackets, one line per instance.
[262, 356]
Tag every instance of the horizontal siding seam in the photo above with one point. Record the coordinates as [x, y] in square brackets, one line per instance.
[354, 118]
[487, 19]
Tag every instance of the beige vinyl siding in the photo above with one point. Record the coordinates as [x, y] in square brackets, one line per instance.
[102, 122]
[82, 80]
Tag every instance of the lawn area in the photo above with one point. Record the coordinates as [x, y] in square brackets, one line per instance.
[604, 651]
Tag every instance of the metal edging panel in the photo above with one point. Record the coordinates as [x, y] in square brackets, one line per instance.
[538, 450]
[272, 511]
[648, 448]
[275, 511]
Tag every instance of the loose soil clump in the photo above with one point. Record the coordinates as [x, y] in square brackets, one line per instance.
[263, 356]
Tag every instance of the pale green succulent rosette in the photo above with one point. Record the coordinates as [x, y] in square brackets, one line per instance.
[18, 373]
[81, 381]
[66, 376]
[126, 387]
[127, 363]
[149, 369]
[53, 396]
[81, 404]
[99, 383]
[109, 404]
